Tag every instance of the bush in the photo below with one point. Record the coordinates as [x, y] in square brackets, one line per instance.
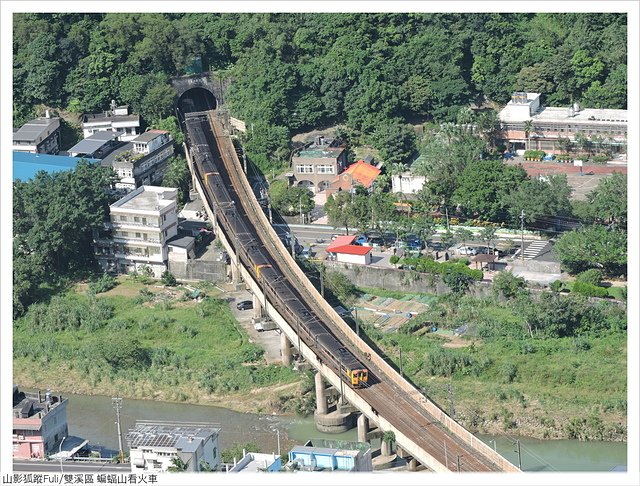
[105, 283]
[534, 154]
[394, 259]
[509, 372]
[507, 284]
[589, 290]
[599, 159]
[556, 285]
[169, 279]
[592, 276]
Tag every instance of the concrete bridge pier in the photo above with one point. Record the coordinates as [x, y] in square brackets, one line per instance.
[385, 448]
[363, 428]
[257, 307]
[285, 349]
[412, 464]
[321, 396]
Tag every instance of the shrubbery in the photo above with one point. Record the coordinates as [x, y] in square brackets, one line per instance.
[105, 283]
[589, 290]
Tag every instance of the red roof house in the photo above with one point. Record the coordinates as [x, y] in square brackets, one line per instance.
[342, 250]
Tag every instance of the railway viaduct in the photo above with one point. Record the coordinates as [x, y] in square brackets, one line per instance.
[415, 445]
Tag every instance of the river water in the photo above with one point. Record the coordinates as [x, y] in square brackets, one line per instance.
[93, 418]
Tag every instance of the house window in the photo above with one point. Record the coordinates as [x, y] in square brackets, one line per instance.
[325, 169]
[144, 220]
[304, 169]
[123, 218]
[138, 235]
[136, 219]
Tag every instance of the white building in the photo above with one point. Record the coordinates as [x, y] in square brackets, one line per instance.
[142, 161]
[141, 223]
[253, 462]
[117, 119]
[550, 124]
[155, 446]
[407, 183]
[342, 250]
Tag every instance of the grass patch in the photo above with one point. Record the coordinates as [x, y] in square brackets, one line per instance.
[183, 350]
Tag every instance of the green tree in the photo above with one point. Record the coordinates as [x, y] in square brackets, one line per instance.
[337, 208]
[593, 247]
[463, 235]
[540, 198]
[484, 186]
[608, 201]
[395, 142]
[458, 282]
[507, 285]
[170, 124]
[290, 200]
[123, 353]
[158, 102]
[235, 452]
[178, 465]
[178, 176]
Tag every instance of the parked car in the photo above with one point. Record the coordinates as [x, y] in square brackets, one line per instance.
[375, 241]
[244, 305]
[360, 240]
[467, 250]
[305, 253]
[508, 155]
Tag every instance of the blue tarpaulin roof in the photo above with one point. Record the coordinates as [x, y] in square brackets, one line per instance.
[26, 164]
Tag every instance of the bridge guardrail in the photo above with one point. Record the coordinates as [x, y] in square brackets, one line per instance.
[455, 428]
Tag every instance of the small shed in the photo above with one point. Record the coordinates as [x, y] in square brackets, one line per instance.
[484, 258]
[343, 250]
[181, 248]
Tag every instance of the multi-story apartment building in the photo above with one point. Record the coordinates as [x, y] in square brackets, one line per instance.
[140, 225]
[142, 161]
[318, 165]
[39, 136]
[39, 423]
[116, 119]
[527, 124]
[155, 446]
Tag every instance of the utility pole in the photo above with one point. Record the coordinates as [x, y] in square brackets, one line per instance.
[401, 373]
[278, 434]
[301, 217]
[446, 211]
[60, 454]
[322, 280]
[517, 444]
[450, 395]
[117, 405]
[522, 235]
[446, 457]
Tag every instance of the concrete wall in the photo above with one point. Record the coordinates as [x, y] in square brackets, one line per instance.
[536, 266]
[199, 270]
[394, 279]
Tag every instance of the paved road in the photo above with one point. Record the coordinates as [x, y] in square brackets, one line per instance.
[70, 467]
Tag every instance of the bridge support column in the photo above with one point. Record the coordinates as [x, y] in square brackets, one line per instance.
[385, 448]
[285, 349]
[257, 307]
[363, 428]
[321, 395]
[412, 465]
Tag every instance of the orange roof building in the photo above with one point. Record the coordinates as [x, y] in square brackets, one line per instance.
[358, 173]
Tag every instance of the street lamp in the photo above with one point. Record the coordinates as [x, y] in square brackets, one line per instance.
[60, 455]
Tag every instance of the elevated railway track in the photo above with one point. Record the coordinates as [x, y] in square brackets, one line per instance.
[421, 428]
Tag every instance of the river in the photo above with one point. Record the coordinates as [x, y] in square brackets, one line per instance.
[93, 418]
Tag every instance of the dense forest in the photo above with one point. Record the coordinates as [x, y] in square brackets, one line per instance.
[293, 72]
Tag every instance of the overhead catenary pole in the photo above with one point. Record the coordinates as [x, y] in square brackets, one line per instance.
[517, 444]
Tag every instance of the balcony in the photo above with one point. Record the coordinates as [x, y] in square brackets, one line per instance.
[118, 224]
[125, 239]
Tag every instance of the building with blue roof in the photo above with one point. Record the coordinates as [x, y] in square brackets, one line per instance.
[26, 165]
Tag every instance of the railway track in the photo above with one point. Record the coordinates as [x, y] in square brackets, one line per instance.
[399, 408]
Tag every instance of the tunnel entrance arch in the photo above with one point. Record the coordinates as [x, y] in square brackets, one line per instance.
[205, 90]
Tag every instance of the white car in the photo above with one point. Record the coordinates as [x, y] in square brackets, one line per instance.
[467, 250]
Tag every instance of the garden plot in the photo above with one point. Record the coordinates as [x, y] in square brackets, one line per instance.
[387, 313]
